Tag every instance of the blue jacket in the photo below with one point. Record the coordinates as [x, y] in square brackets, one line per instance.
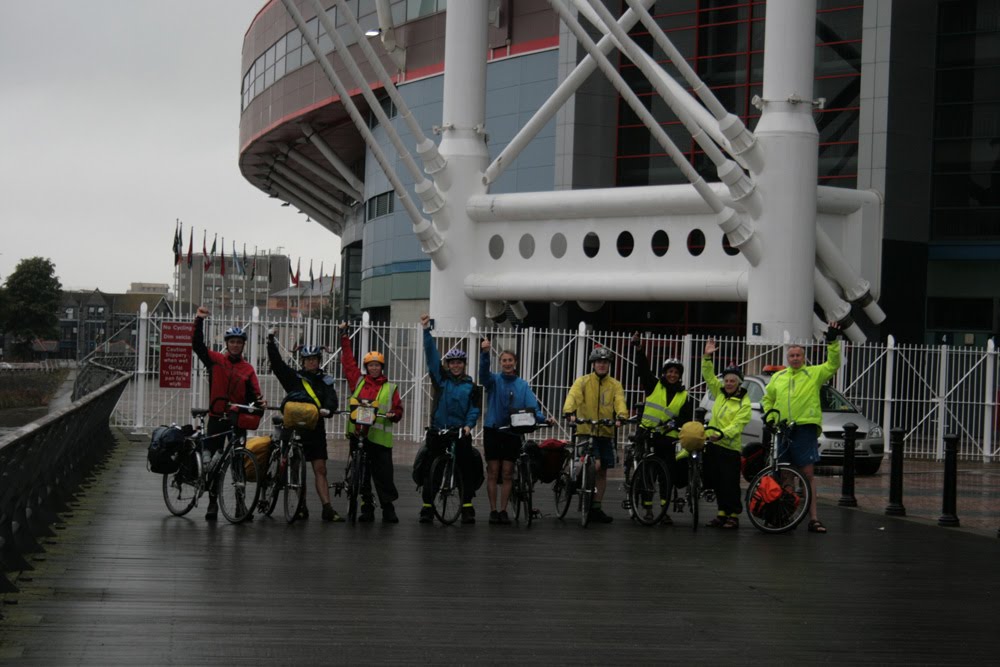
[456, 400]
[505, 393]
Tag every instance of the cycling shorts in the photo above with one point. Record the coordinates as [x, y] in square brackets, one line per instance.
[603, 449]
[801, 446]
[500, 445]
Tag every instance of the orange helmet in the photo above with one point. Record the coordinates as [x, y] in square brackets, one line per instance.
[374, 356]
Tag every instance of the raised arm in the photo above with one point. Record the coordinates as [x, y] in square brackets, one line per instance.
[351, 370]
[198, 338]
[286, 376]
[708, 368]
[646, 377]
[485, 376]
[433, 357]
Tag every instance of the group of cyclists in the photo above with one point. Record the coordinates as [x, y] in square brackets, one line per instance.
[595, 396]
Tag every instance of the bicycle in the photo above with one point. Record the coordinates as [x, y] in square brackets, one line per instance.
[522, 487]
[647, 481]
[584, 481]
[695, 490]
[285, 473]
[362, 414]
[778, 497]
[445, 479]
[235, 485]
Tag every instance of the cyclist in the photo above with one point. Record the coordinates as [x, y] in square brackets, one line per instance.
[231, 379]
[730, 414]
[794, 392]
[505, 393]
[666, 401]
[375, 387]
[597, 395]
[309, 385]
[456, 404]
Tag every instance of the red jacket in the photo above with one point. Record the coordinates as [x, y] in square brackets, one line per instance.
[371, 386]
[229, 378]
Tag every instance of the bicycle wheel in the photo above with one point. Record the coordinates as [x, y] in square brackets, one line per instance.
[238, 488]
[273, 481]
[562, 488]
[650, 491]
[694, 488]
[352, 482]
[587, 491]
[524, 484]
[778, 499]
[181, 487]
[448, 496]
[295, 483]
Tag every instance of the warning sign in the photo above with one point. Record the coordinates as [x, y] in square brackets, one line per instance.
[175, 355]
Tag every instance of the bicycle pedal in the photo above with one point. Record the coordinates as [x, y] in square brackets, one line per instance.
[627, 505]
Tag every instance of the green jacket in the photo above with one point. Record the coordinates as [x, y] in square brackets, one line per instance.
[795, 393]
[730, 413]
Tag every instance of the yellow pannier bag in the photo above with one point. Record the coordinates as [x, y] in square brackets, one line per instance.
[692, 436]
[260, 447]
[301, 416]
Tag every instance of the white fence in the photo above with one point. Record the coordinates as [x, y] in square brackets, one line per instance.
[927, 391]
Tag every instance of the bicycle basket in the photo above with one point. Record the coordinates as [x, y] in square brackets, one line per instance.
[767, 493]
[165, 442]
[300, 415]
[752, 460]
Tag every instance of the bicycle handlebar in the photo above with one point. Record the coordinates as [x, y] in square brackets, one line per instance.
[594, 422]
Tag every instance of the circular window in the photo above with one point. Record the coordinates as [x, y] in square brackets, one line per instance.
[728, 248]
[591, 244]
[558, 245]
[626, 244]
[527, 246]
[696, 242]
[661, 243]
[496, 246]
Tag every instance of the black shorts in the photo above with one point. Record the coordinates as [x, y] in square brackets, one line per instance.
[501, 445]
[314, 445]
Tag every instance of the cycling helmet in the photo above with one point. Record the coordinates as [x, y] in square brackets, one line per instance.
[455, 353]
[374, 356]
[672, 363]
[733, 370]
[235, 332]
[307, 351]
[601, 354]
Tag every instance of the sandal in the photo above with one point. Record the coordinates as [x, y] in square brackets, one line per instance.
[732, 523]
[816, 526]
[717, 522]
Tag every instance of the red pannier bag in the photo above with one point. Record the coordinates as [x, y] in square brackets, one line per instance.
[547, 459]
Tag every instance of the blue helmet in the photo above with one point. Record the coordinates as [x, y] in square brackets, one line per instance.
[307, 351]
[455, 353]
[235, 332]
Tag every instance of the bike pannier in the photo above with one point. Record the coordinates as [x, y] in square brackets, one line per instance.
[301, 416]
[767, 492]
[260, 447]
[547, 459]
[164, 445]
[248, 421]
[752, 460]
[692, 436]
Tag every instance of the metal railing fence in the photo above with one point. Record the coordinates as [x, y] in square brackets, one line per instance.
[926, 390]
